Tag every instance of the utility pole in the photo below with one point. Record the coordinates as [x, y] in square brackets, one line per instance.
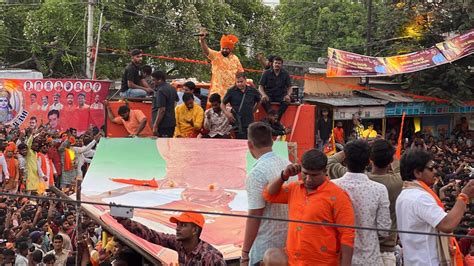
[90, 37]
[369, 34]
[369, 26]
[97, 45]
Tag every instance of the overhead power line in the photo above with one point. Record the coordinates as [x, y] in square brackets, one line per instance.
[234, 215]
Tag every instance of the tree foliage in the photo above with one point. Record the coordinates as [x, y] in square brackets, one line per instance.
[398, 27]
[52, 34]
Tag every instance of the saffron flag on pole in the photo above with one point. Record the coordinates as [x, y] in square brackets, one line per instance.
[398, 152]
[330, 148]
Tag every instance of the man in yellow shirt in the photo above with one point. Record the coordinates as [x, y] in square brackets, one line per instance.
[189, 118]
[225, 64]
[370, 132]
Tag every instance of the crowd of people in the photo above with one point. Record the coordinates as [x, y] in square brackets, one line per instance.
[44, 232]
[365, 184]
[427, 190]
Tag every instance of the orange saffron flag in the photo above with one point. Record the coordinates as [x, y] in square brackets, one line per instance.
[137, 182]
[398, 152]
[330, 148]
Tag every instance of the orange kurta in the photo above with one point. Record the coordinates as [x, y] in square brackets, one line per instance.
[224, 70]
[313, 244]
[13, 170]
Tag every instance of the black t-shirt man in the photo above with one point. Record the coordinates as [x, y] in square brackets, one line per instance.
[132, 72]
[165, 96]
[275, 86]
[325, 129]
[234, 96]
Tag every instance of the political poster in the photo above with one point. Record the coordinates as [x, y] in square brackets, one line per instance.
[458, 47]
[346, 64]
[58, 104]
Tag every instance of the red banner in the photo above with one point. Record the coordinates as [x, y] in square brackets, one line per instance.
[458, 47]
[60, 103]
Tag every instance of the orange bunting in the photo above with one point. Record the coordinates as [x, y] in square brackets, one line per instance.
[296, 77]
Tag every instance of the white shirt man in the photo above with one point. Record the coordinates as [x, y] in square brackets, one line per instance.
[371, 208]
[370, 202]
[418, 211]
[269, 234]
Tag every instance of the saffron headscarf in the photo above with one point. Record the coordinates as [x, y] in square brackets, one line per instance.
[229, 41]
[11, 147]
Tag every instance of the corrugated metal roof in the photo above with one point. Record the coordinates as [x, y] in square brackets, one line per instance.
[388, 96]
[346, 101]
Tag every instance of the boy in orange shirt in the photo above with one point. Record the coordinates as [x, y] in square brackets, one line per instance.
[134, 121]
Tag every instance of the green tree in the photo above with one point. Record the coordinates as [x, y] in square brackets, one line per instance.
[453, 81]
[307, 30]
[52, 34]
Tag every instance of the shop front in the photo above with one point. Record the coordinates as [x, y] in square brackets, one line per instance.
[343, 109]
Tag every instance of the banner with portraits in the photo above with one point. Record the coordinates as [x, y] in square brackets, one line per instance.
[59, 104]
[458, 47]
[346, 64]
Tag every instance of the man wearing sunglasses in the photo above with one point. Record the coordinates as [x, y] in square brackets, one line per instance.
[418, 208]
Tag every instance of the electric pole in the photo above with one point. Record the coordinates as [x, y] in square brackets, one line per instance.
[369, 34]
[369, 27]
[90, 37]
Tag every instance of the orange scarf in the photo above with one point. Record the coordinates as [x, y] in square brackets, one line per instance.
[45, 164]
[458, 259]
[11, 167]
[68, 159]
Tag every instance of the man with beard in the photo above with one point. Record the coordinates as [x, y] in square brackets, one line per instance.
[225, 64]
[275, 86]
[134, 121]
[133, 84]
[244, 101]
[56, 105]
[191, 249]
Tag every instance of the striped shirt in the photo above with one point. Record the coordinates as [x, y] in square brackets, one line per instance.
[271, 234]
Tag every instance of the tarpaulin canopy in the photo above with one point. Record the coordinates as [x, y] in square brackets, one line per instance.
[191, 174]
